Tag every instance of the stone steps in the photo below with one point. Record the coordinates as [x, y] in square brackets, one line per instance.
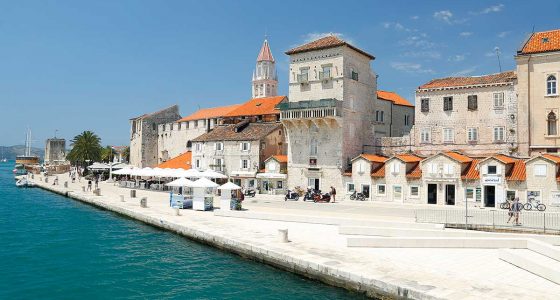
[533, 262]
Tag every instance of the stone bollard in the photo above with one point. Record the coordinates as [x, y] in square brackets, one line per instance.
[122, 198]
[177, 211]
[83, 189]
[97, 192]
[144, 202]
[32, 176]
[283, 235]
[132, 193]
[66, 184]
[46, 179]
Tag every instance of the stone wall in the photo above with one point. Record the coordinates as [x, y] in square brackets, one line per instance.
[55, 151]
[174, 138]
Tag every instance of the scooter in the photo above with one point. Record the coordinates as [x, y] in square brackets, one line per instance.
[318, 197]
[250, 193]
[308, 195]
[291, 195]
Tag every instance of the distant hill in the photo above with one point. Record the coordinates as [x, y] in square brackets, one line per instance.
[10, 152]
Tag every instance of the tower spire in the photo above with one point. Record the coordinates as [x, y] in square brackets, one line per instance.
[265, 82]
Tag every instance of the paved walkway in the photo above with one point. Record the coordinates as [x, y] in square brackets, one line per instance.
[429, 273]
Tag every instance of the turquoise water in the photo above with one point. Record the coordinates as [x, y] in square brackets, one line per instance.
[53, 247]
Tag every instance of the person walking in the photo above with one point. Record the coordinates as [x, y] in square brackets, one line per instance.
[96, 182]
[89, 185]
[517, 206]
[333, 194]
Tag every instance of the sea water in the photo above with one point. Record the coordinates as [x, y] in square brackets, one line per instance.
[52, 247]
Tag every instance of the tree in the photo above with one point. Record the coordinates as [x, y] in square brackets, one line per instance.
[85, 147]
[107, 154]
[126, 154]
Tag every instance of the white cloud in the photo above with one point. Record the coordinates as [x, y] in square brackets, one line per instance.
[414, 17]
[466, 71]
[503, 34]
[458, 57]
[491, 9]
[490, 54]
[432, 54]
[417, 41]
[413, 68]
[466, 33]
[397, 26]
[444, 15]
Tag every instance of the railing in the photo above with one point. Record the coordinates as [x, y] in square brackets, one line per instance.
[324, 75]
[303, 78]
[310, 109]
[490, 219]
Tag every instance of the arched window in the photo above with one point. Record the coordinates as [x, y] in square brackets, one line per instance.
[551, 85]
[551, 120]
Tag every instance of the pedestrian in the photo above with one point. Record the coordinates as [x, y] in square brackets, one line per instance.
[89, 185]
[511, 213]
[333, 194]
[516, 210]
[96, 182]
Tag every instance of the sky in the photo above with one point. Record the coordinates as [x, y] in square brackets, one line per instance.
[70, 66]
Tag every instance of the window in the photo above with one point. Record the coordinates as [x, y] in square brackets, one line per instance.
[414, 191]
[448, 135]
[350, 187]
[534, 195]
[187, 125]
[425, 105]
[198, 147]
[154, 126]
[303, 76]
[314, 147]
[219, 146]
[245, 146]
[551, 85]
[425, 135]
[272, 166]
[469, 194]
[447, 103]
[499, 134]
[244, 164]
[195, 123]
[326, 73]
[397, 192]
[218, 164]
[354, 74]
[492, 170]
[551, 124]
[381, 190]
[406, 120]
[510, 195]
[197, 163]
[472, 134]
[379, 116]
[499, 100]
[472, 102]
[448, 169]
[540, 170]
[395, 168]
[478, 193]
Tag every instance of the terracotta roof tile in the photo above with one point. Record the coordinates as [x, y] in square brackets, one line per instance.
[458, 156]
[544, 41]
[210, 113]
[265, 54]
[408, 158]
[504, 77]
[554, 158]
[281, 158]
[415, 172]
[248, 132]
[518, 171]
[379, 171]
[373, 158]
[471, 172]
[393, 97]
[181, 161]
[326, 42]
[505, 159]
[256, 107]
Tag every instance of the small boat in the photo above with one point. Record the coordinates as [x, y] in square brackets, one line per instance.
[24, 182]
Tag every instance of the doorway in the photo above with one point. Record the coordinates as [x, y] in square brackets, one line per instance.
[489, 196]
[432, 193]
[314, 183]
[450, 194]
[365, 190]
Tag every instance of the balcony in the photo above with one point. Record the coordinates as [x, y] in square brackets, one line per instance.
[303, 78]
[323, 108]
[325, 75]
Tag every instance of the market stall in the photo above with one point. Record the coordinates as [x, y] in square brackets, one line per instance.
[227, 202]
[203, 197]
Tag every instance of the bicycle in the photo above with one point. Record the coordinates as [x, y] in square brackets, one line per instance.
[532, 202]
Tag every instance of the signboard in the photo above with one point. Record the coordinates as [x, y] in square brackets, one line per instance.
[555, 198]
[491, 180]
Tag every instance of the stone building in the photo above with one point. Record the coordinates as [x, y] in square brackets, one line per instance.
[543, 180]
[55, 152]
[501, 177]
[538, 71]
[238, 150]
[330, 115]
[393, 116]
[273, 178]
[144, 136]
[265, 79]
[476, 115]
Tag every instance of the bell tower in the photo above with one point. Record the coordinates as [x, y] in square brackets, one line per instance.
[265, 80]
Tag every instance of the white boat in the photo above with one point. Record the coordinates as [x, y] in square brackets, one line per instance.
[24, 182]
[3, 159]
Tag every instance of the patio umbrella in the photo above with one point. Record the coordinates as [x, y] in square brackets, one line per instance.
[212, 174]
[192, 173]
[203, 183]
[181, 182]
[229, 186]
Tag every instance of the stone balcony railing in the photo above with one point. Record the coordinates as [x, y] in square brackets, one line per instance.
[323, 108]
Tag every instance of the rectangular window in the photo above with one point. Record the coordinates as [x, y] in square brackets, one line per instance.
[425, 105]
[379, 116]
[492, 170]
[245, 146]
[478, 192]
[244, 164]
[425, 135]
[326, 73]
[406, 120]
[469, 194]
[540, 170]
[350, 187]
[551, 85]
[472, 102]
[381, 190]
[197, 163]
[499, 134]
[395, 167]
[218, 164]
[397, 192]
[198, 147]
[278, 184]
[498, 100]
[414, 191]
[219, 146]
[448, 135]
[448, 103]
[472, 134]
[354, 75]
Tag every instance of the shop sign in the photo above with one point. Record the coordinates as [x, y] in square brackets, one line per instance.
[491, 180]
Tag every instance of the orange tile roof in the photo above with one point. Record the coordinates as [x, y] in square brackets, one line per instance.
[407, 158]
[505, 159]
[326, 42]
[471, 172]
[181, 161]
[504, 77]
[415, 172]
[393, 97]
[257, 106]
[544, 41]
[554, 158]
[458, 156]
[518, 171]
[373, 158]
[209, 113]
[280, 158]
[379, 172]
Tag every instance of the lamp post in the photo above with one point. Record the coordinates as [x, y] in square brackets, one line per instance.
[110, 165]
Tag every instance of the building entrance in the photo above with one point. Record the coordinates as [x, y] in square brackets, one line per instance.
[432, 193]
[489, 196]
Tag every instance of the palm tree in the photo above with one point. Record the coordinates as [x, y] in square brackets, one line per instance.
[107, 154]
[85, 147]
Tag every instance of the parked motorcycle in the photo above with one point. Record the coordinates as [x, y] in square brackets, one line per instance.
[250, 193]
[308, 195]
[318, 197]
[355, 195]
[291, 195]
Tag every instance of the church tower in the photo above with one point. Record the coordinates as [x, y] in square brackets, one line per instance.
[265, 80]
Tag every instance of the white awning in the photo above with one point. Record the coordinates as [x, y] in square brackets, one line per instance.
[272, 175]
[244, 174]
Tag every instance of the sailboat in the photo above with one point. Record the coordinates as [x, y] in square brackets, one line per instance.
[3, 159]
[22, 161]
